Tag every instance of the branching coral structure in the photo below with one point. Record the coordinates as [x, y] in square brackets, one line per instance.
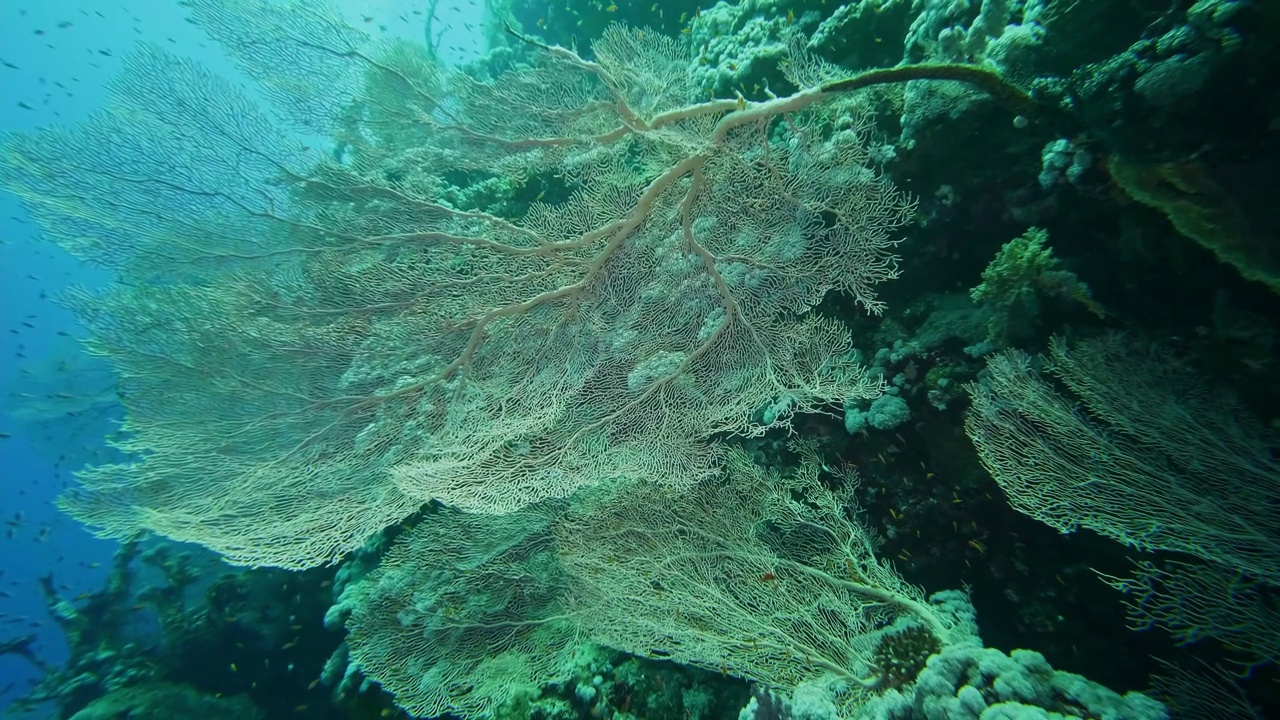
[313, 343]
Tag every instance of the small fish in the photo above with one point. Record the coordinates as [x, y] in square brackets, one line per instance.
[25, 106]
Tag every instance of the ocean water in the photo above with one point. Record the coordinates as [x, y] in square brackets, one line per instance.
[63, 55]
[518, 359]
[39, 540]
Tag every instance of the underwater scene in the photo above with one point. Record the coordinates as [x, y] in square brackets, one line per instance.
[605, 360]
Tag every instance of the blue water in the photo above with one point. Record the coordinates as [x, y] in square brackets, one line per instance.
[65, 53]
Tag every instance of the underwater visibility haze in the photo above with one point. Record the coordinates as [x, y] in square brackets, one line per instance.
[764, 360]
